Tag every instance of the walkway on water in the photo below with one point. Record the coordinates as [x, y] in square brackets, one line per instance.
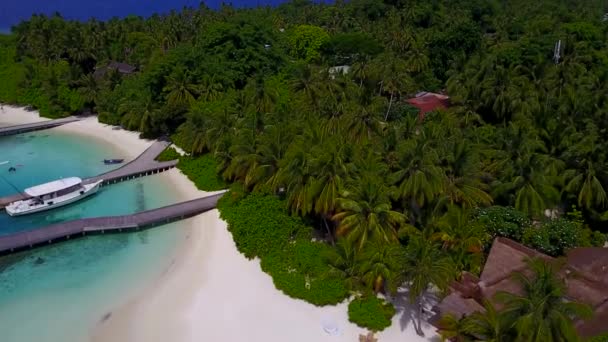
[143, 165]
[36, 126]
[78, 228]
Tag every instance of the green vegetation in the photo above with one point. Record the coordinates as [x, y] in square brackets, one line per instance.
[388, 193]
[202, 171]
[371, 312]
[551, 237]
[600, 338]
[262, 227]
[168, 154]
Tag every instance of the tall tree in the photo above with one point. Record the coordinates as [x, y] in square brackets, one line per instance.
[365, 213]
[540, 312]
[426, 266]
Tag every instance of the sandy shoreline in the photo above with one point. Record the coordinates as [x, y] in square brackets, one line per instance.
[210, 292]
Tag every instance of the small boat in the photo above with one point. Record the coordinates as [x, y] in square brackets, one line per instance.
[112, 161]
[52, 195]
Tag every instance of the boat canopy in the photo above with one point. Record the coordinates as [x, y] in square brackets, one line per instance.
[50, 187]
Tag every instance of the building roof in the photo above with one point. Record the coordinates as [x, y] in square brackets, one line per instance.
[584, 275]
[122, 68]
[428, 102]
[344, 69]
[458, 306]
[50, 187]
[505, 257]
[591, 260]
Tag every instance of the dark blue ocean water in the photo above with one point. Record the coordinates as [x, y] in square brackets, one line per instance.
[13, 11]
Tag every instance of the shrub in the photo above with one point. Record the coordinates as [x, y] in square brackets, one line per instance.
[371, 312]
[202, 171]
[586, 236]
[503, 221]
[300, 272]
[261, 226]
[168, 154]
[553, 237]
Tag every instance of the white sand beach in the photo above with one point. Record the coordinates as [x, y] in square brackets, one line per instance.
[210, 292]
[11, 115]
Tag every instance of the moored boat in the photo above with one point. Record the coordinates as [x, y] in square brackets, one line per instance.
[112, 161]
[52, 195]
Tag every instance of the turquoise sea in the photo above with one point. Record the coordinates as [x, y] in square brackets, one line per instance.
[59, 292]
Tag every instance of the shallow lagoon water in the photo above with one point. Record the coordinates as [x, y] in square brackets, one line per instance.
[59, 292]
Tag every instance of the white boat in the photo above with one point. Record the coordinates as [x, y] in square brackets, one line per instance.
[52, 195]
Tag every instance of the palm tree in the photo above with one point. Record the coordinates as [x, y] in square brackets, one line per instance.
[362, 122]
[426, 266]
[365, 213]
[418, 179]
[178, 89]
[540, 313]
[270, 150]
[293, 177]
[532, 187]
[379, 266]
[490, 325]
[329, 169]
[137, 112]
[464, 176]
[528, 177]
[343, 260]
[307, 83]
[394, 78]
[360, 71]
[588, 187]
[453, 329]
[585, 154]
[462, 237]
[89, 89]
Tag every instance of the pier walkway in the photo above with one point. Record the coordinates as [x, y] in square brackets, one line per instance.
[99, 225]
[36, 126]
[143, 165]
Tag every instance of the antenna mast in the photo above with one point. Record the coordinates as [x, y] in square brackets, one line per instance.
[557, 51]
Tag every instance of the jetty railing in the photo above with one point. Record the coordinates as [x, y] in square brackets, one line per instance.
[110, 224]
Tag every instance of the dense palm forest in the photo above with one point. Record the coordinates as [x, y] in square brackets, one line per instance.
[390, 194]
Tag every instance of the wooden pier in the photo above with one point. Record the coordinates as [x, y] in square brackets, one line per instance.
[143, 165]
[36, 126]
[111, 224]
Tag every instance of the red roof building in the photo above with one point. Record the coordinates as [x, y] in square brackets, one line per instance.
[428, 102]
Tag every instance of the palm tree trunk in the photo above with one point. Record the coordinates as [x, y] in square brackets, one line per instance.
[331, 236]
[390, 103]
[418, 326]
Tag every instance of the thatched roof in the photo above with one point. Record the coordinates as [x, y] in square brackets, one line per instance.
[584, 274]
[506, 256]
[590, 260]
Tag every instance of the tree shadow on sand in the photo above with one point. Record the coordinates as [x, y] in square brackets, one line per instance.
[407, 312]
